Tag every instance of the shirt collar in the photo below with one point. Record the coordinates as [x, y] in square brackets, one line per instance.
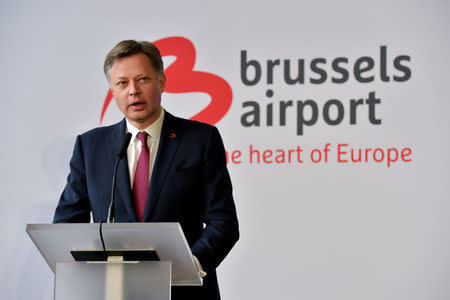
[154, 130]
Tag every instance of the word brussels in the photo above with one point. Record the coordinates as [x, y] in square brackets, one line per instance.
[320, 70]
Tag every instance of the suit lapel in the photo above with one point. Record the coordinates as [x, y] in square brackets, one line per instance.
[167, 148]
[123, 188]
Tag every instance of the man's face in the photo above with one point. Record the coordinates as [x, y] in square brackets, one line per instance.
[137, 88]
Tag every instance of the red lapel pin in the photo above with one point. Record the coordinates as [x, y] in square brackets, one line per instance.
[172, 135]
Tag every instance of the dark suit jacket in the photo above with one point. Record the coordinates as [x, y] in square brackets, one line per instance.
[189, 184]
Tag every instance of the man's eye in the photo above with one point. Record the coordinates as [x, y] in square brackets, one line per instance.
[121, 83]
[143, 79]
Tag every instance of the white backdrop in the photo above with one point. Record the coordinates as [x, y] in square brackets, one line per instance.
[324, 230]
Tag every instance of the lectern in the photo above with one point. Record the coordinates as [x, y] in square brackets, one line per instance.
[116, 279]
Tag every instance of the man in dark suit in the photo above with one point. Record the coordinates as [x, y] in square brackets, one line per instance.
[175, 169]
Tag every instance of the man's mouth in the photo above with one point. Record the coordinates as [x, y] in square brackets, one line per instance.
[137, 105]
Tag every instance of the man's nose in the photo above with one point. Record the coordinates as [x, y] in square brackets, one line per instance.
[133, 89]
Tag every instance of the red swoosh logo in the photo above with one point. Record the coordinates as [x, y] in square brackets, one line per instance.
[181, 78]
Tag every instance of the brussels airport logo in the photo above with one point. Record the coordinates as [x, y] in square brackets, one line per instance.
[286, 83]
[182, 78]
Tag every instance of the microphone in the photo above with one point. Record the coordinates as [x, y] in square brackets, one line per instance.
[120, 155]
[123, 150]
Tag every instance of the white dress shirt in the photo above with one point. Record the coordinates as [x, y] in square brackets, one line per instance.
[134, 148]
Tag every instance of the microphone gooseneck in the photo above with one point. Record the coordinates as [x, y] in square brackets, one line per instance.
[120, 155]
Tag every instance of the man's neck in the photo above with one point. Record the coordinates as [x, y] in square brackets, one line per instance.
[146, 124]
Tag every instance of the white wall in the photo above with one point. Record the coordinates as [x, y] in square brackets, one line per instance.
[308, 231]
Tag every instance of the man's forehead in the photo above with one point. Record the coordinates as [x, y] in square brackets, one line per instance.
[133, 64]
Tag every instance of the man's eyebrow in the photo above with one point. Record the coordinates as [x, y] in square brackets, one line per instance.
[125, 77]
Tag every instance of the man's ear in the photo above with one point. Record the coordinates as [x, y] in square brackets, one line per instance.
[111, 89]
[162, 83]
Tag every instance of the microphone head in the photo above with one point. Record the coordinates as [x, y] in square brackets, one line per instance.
[125, 143]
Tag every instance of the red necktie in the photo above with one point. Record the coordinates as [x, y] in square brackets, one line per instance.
[140, 184]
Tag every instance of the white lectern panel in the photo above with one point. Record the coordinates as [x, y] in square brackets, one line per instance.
[54, 241]
[112, 281]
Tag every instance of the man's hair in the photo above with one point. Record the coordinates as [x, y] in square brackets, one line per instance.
[131, 47]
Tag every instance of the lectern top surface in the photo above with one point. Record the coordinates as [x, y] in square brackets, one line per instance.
[54, 241]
